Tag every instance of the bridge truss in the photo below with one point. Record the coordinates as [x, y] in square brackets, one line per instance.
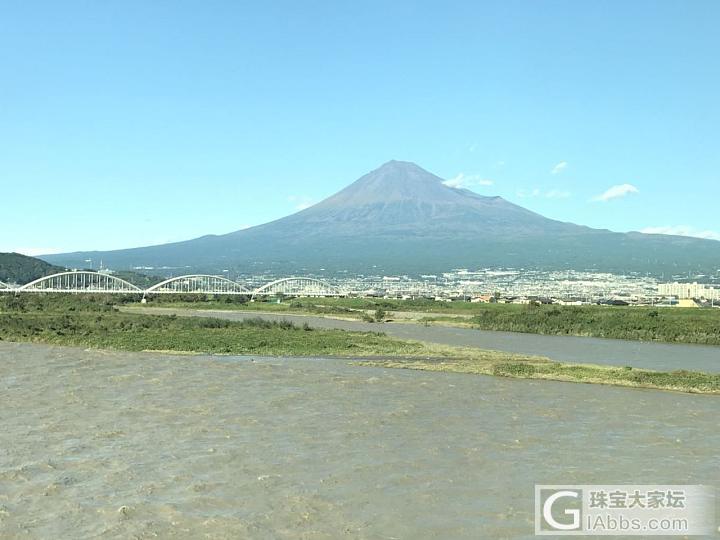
[85, 281]
[198, 283]
[297, 286]
[80, 282]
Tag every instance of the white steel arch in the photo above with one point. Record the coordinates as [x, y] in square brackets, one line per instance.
[80, 281]
[86, 281]
[298, 286]
[198, 283]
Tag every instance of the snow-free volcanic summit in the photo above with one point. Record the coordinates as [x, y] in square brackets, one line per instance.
[402, 218]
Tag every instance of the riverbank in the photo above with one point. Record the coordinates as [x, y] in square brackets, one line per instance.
[666, 325]
[95, 322]
[90, 322]
[570, 349]
[679, 381]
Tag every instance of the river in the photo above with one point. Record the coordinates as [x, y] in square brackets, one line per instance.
[138, 445]
[616, 352]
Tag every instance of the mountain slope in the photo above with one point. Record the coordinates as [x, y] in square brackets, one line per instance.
[17, 268]
[401, 218]
[402, 198]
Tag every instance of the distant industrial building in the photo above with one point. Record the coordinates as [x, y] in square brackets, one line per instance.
[689, 290]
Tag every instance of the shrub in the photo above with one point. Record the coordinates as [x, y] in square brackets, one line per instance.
[513, 369]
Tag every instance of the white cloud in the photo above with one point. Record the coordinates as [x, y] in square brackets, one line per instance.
[550, 194]
[560, 167]
[557, 194]
[301, 201]
[465, 181]
[615, 192]
[523, 193]
[682, 230]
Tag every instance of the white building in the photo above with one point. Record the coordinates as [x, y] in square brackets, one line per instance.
[689, 290]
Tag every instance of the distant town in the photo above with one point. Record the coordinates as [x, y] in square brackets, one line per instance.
[484, 285]
[520, 286]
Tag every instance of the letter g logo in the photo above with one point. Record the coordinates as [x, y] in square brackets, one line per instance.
[550, 520]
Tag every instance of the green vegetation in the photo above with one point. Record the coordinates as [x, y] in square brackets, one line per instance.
[16, 268]
[21, 269]
[136, 278]
[680, 381]
[314, 306]
[346, 308]
[380, 315]
[94, 321]
[674, 325]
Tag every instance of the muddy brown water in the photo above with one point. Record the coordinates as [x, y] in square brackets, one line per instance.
[98, 444]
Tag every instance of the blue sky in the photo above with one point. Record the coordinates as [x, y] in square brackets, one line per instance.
[132, 123]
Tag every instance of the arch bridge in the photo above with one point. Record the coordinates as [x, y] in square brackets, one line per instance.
[297, 286]
[85, 281]
[198, 283]
[80, 282]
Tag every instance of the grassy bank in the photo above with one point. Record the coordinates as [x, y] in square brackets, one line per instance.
[95, 322]
[680, 381]
[671, 325]
[309, 306]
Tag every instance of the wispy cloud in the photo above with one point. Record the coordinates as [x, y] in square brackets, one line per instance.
[616, 192]
[682, 230]
[463, 180]
[525, 193]
[560, 167]
[547, 194]
[301, 202]
[557, 194]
